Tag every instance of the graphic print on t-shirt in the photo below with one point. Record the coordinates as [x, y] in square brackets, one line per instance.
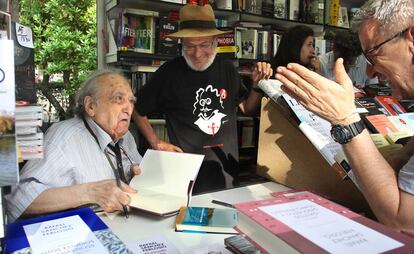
[207, 106]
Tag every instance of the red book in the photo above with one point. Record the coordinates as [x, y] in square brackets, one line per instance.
[391, 104]
[359, 235]
[381, 124]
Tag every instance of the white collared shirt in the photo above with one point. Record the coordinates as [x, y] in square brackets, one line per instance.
[71, 156]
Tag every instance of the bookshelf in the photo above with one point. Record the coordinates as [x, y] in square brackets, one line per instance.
[108, 53]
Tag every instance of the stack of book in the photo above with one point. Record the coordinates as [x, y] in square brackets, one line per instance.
[29, 136]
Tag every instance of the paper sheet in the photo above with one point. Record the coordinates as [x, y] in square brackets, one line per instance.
[329, 230]
[153, 245]
[63, 236]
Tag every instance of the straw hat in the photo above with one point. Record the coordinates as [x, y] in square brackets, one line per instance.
[196, 21]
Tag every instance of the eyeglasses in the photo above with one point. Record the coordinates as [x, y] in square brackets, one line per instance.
[203, 46]
[367, 52]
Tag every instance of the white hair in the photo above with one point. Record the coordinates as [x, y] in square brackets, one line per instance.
[90, 87]
[392, 15]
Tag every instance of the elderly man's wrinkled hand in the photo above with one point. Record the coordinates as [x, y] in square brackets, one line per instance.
[328, 99]
[165, 146]
[262, 70]
[109, 196]
[135, 170]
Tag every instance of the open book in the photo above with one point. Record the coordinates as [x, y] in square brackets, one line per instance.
[166, 181]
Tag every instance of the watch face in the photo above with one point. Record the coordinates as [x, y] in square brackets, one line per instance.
[340, 134]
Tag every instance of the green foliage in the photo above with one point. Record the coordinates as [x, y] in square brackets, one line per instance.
[64, 36]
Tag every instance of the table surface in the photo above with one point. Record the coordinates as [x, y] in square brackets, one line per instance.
[141, 225]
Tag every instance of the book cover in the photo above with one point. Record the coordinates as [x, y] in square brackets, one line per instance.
[379, 140]
[249, 43]
[280, 9]
[380, 124]
[226, 45]
[408, 118]
[372, 105]
[240, 245]
[137, 31]
[16, 239]
[294, 9]
[24, 63]
[308, 223]
[207, 220]
[166, 45]
[268, 8]
[401, 124]
[391, 104]
[166, 181]
[9, 169]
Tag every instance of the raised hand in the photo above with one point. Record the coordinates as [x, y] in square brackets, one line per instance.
[333, 101]
[262, 70]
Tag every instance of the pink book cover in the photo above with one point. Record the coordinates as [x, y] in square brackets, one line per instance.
[299, 242]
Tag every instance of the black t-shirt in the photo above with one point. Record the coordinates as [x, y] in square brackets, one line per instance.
[200, 110]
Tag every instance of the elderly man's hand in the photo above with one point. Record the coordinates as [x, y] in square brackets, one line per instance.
[164, 146]
[108, 195]
[135, 170]
[328, 99]
[261, 71]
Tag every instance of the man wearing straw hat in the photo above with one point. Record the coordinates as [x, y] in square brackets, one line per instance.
[199, 93]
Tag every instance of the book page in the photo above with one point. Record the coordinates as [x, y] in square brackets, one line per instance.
[164, 179]
[329, 230]
[316, 129]
[64, 235]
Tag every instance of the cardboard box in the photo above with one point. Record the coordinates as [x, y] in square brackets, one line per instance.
[286, 156]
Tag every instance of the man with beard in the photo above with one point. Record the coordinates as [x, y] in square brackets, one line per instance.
[199, 93]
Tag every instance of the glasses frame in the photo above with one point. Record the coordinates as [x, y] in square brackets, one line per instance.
[202, 46]
[367, 52]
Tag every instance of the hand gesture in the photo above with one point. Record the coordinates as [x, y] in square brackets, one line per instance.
[164, 146]
[261, 71]
[328, 99]
[315, 65]
[108, 195]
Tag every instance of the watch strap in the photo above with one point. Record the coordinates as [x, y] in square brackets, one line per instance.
[356, 127]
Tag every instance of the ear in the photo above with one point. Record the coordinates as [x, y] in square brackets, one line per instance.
[89, 106]
[410, 37]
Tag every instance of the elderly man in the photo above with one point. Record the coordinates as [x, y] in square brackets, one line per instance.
[80, 154]
[386, 32]
[199, 94]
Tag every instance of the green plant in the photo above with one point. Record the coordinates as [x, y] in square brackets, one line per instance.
[65, 43]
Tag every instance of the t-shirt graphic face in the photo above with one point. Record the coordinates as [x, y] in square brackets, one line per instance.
[208, 108]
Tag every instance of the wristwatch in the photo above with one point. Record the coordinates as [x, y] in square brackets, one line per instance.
[344, 133]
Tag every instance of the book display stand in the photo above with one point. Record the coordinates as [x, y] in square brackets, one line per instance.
[286, 156]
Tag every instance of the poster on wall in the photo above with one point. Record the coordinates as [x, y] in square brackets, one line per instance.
[9, 172]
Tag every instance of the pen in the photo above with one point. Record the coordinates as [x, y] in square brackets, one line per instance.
[221, 203]
[124, 207]
[118, 183]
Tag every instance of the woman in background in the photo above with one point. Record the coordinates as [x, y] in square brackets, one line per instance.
[296, 46]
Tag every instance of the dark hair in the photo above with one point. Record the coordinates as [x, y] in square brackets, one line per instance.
[347, 44]
[291, 45]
